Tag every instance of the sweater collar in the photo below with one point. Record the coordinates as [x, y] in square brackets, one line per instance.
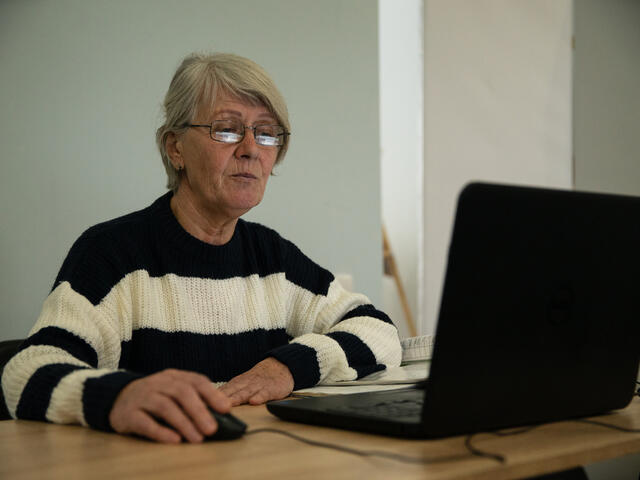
[172, 231]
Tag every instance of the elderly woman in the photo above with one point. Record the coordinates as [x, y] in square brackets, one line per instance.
[181, 306]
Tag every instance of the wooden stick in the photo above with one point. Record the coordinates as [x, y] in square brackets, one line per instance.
[390, 268]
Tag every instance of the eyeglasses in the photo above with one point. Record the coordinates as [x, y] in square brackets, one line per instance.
[232, 131]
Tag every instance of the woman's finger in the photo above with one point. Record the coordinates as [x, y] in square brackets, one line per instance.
[166, 409]
[195, 408]
[145, 425]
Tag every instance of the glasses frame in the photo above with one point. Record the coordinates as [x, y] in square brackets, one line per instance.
[284, 133]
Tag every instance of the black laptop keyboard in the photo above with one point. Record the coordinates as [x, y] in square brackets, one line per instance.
[394, 409]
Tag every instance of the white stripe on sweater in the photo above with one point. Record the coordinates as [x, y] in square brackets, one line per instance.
[26, 363]
[199, 305]
[66, 399]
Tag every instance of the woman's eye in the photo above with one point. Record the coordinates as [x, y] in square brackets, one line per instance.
[266, 131]
[228, 136]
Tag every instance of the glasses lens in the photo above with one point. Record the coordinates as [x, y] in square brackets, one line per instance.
[269, 135]
[227, 131]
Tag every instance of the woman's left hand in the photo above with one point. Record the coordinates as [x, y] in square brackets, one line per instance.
[268, 380]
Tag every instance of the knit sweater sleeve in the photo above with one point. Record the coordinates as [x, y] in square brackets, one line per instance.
[66, 371]
[336, 334]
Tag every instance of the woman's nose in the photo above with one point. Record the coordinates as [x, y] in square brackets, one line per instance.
[248, 148]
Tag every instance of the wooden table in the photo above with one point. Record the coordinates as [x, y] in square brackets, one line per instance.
[40, 450]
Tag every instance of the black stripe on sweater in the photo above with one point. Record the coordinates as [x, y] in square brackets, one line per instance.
[359, 355]
[220, 357]
[36, 395]
[100, 393]
[152, 240]
[64, 339]
[302, 362]
[367, 311]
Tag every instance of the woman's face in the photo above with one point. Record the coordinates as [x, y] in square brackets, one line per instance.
[226, 179]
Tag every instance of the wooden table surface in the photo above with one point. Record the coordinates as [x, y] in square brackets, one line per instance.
[40, 450]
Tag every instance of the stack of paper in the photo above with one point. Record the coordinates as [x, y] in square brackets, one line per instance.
[411, 373]
[417, 349]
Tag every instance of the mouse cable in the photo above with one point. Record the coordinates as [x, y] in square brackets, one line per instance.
[497, 433]
[518, 431]
[474, 451]
[608, 425]
[580, 420]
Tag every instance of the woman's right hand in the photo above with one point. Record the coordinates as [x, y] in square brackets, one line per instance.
[177, 397]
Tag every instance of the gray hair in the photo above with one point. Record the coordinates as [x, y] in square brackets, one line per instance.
[196, 84]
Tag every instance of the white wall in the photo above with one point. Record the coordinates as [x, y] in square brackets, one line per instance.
[497, 107]
[401, 128]
[80, 87]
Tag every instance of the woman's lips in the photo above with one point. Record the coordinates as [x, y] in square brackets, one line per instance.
[245, 175]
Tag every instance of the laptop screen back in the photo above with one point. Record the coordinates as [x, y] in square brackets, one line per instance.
[540, 312]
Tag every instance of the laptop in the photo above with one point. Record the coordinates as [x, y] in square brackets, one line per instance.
[539, 320]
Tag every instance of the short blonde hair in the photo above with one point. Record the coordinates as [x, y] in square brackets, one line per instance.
[198, 81]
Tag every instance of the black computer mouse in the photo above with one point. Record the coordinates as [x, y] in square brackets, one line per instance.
[229, 427]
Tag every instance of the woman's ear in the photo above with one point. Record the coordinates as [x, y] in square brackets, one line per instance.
[173, 145]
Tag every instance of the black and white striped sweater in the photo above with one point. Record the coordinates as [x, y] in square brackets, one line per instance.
[138, 294]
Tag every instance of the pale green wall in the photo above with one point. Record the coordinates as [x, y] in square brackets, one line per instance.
[80, 87]
[606, 78]
[606, 125]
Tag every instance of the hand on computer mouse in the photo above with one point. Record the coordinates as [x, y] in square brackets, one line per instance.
[229, 427]
[168, 407]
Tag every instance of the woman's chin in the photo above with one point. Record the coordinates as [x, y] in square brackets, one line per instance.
[244, 205]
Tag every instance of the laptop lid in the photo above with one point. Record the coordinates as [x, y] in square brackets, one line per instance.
[538, 318]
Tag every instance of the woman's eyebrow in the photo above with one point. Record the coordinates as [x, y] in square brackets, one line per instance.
[235, 113]
[228, 110]
[266, 114]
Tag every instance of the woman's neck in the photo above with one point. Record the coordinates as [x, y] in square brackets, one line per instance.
[200, 223]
